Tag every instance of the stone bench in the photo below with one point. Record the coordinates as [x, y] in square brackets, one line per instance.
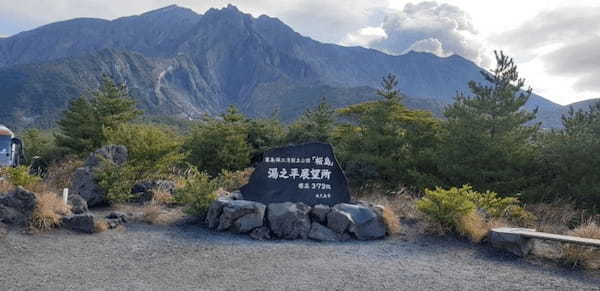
[519, 240]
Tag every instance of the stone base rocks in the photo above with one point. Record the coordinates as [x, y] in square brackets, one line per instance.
[289, 220]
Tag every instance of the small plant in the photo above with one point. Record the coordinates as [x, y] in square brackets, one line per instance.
[100, 226]
[231, 181]
[582, 256]
[392, 224]
[467, 212]
[20, 176]
[473, 226]
[117, 181]
[445, 208]
[49, 210]
[197, 192]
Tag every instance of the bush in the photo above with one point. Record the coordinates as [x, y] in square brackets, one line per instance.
[445, 208]
[214, 145]
[467, 212]
[117, 181]
[152, 150]
[231, 181]
[20, 176]
[197, 192]
[60, 174]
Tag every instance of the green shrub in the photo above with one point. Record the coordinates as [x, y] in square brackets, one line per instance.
[446, 207]
[197, 192]
[117, 181]
[450, 209]
[20, 176]
[152, 150]
[231, 181]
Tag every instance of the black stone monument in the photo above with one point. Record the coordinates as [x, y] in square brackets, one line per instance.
[307, 173]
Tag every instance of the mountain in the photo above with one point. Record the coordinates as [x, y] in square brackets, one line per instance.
[180, 63]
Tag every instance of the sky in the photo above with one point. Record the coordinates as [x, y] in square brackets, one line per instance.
[555, 43]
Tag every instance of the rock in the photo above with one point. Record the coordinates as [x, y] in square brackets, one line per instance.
[78, 204]
[338, 221]
[365, 224]
[3, 230]
[84, 180]
[236, 195]
[117, 215]
[215, 210]
[80, 222]
[322, 233]
[319, 213]
[261, 233]
[84, 184]
[144, 191]
[17, 206]
[241, 216]
[511, 242]
[115, 154]
[289, 220]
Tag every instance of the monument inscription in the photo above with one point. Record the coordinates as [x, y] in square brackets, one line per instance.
[307, 173]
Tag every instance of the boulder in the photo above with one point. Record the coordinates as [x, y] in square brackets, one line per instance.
[338, 220]
[236, 195]
[115, 154]
[511, 242]
[215, 210]
[17, 206]
[319, 213]
[84, 180]
[118, 215]
[261, 233]
[365, 224]
[80, 222]
[84, 184]
[144, 191]
[289, 220]
[241, 216]
[78, 204]
[322, 233]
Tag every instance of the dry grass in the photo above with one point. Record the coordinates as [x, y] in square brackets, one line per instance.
[404, 206]
[161, 196]
[151, 213]
[391, 221]
[582, 256]
[5, 186]
[48, 212]
[231, 181]
[60, 174]
[555, 217]
[100, 226]
[473, 226]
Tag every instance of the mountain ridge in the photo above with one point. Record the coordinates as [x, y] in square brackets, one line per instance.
[178, 62]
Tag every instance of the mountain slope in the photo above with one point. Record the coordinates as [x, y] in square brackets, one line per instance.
[181, 63]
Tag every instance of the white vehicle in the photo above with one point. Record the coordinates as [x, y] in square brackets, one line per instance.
[11, 148]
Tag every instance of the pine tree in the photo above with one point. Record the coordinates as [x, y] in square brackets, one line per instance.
[488, 143]
[315, 125]
[83, 123]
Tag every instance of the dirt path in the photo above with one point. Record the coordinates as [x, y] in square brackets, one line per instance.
[144, 257]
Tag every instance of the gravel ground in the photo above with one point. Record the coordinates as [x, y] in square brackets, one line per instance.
[146, 257]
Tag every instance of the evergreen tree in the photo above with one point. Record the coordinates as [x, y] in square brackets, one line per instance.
[214, 145]
[487, 142]
[569, 162]
[383, 143]
[83, 123]
[315, 125]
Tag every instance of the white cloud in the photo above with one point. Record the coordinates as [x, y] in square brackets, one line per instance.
[441, 29]
[364, 36]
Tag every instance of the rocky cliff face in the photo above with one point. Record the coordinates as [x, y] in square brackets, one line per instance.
[177, 62]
